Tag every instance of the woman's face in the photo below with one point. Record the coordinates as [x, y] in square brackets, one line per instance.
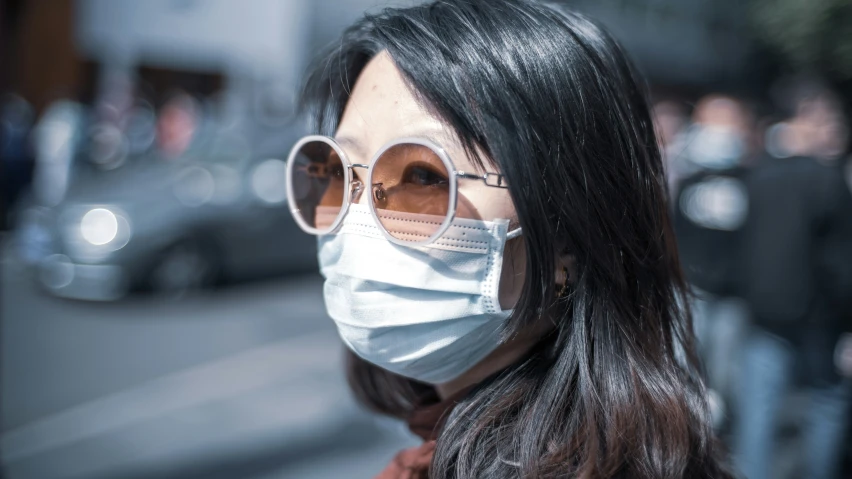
[381, 109]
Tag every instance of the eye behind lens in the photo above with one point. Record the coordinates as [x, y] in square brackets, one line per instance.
[423, 174]
[411, 192]
[318, 184]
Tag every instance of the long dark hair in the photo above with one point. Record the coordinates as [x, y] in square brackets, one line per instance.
[553, 102]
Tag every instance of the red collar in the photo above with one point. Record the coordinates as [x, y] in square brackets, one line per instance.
[426, 421]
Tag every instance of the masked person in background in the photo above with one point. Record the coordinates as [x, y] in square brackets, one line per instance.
[797, 281]
[710, 208]
[496, 246]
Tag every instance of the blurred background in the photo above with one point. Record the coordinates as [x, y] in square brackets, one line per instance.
[162, 314]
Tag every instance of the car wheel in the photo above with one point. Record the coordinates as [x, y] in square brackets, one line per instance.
[184, 267]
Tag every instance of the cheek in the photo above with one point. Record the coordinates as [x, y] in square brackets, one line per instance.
[477, 201]
[513, 273]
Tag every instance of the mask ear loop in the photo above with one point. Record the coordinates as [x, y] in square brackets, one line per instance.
[514, 233]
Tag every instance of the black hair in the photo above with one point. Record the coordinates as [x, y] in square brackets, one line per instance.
[551, 100]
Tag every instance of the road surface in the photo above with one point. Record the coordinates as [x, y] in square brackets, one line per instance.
[241, 382]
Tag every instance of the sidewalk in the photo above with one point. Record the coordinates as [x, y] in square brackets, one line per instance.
[214, 413]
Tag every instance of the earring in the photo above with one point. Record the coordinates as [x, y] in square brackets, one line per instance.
[564, 287]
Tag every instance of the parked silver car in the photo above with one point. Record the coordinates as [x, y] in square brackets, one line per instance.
[167, 226]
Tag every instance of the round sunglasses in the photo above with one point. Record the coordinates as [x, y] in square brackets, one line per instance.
[412, 183]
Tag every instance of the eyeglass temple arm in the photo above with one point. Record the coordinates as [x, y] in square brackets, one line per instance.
[495, 180]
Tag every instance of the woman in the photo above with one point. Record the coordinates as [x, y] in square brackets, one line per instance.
[494, 236]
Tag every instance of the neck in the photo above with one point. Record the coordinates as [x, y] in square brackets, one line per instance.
[504, 356]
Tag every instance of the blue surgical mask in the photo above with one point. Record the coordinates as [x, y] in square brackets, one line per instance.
[715, 147]
[428, 313]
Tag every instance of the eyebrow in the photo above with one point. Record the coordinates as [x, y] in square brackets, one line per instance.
[353, 144]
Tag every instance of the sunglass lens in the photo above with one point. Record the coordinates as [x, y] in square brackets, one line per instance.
[411, 192]
[317, 180]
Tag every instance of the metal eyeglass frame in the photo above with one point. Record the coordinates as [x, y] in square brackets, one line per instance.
[494, 180]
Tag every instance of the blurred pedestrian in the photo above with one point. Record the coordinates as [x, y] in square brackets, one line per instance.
[797, 258]
[717, 138]
[497, 248]
[177, 124]
[57, 138]
[16, 156]
[670, 119]
[710, 208]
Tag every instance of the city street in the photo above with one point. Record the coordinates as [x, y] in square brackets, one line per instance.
[245, 381]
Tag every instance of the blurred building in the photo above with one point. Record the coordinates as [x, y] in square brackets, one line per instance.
[256, 50]
[696, 43]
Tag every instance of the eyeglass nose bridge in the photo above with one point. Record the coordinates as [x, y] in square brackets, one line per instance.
[357, 186]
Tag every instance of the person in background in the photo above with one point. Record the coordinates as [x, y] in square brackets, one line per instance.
[57, 138]
[670, 119]
[797, 281]
[710, 207]
[718, 137]
[177, 124]
[16, 155]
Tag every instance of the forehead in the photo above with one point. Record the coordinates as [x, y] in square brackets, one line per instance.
[382, 108]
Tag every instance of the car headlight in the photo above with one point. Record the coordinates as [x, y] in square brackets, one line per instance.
[99, 226]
